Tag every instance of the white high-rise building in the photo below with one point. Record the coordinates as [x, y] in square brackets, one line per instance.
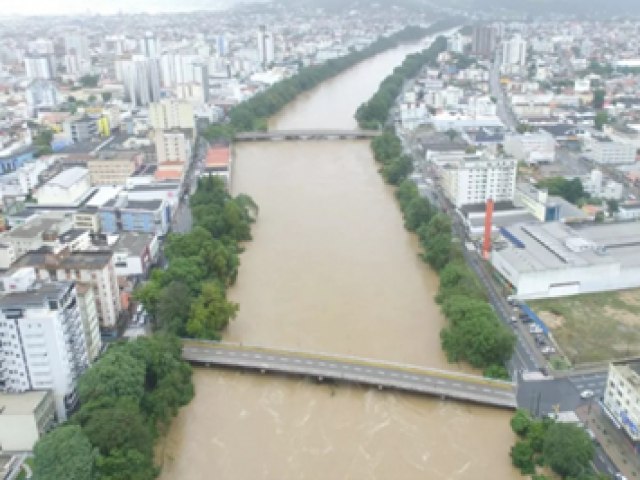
[266, 46]
[77, 54]
[39, 66]
[168, 114]
[150, 45]
[514, 51]
[141, 78]
[473, 179]
[43, 345]
[41, 46]
[42, 94]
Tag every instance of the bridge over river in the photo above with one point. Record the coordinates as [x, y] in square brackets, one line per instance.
[306, 135]
[379, 374]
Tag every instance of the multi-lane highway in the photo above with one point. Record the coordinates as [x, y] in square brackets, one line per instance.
[410, 378]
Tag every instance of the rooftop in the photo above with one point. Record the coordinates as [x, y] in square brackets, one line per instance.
[21, 403]
[69, 177]
[132, 242]
[36, 227]
[36, 297]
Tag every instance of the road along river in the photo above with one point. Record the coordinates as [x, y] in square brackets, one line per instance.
[331, 269]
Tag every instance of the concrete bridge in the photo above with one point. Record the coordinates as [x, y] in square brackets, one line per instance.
[409, 378]
[281, 135]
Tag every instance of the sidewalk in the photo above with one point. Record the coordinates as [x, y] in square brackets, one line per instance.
[614, 442]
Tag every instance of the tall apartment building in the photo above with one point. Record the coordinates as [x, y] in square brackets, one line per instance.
[473, 179]
[483, 41]
[514, 51]
[77, 54]
[43, 346]
[141, 78]
[39, 66]
[266, 46]
[172, 146]
[94, 268]
[622, 397]
[169, 114]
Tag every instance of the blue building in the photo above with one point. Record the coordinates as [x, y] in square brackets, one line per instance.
[123, 215]
[10, 162]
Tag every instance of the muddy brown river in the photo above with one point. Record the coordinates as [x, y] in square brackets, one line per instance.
[331, 269]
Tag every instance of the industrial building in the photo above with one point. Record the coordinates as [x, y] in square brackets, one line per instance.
[554, 259]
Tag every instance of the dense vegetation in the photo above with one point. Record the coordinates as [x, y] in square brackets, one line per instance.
[564, 447]
[374, 113]
[127, 399]
[253, 113]
[474, 333]
[188, 298]
[571, 190]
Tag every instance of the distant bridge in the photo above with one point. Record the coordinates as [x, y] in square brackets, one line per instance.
[409, 378]
[281, 135]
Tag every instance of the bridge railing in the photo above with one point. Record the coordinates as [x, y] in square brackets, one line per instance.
[434, 372]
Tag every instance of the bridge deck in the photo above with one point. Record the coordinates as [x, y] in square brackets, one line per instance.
[409, 378]
[306, 134]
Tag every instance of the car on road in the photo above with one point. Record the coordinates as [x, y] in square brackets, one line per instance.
[620, 476]
[535, 329]
[548, 350]
[544, 371]
[586, 394]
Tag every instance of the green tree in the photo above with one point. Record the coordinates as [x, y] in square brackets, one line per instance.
[613, 206]
[498, 372]
[63, 453]
[210, 313]
[456, 278]
[171, 313]
[568, 449]
[417, 213]
[522, 457]
[126, 465]
[521, 422]
[438, 250]
[118, 427]
[116, 375]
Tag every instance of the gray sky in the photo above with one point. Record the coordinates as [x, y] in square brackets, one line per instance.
[53, 7]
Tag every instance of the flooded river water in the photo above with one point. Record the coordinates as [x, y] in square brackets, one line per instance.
[331, 269]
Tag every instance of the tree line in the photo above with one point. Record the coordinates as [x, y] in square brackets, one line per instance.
[128, 398]
[188, 298]
[564, 447]
[474, 333]
[374, 113]
[252, 114]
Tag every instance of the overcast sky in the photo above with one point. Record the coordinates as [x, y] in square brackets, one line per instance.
[53, 7]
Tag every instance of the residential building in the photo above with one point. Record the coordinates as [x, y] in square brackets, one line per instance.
[218, 162]
[266, 46]
[514, 52]
[628, 211]
[595, 186]
[42, 230]
[125, 215]
[134, 253]
[14, 157]
[77, 54]
[44, 346]
[545, 207]
[94, 268]
[602, 150]
[170, 114]
[90, 320]
[483, 41]
[532, 148]
[24, 418]
[87, 218]
[80, 128]
[623, 134]
[39, 66]
[622, 398]
[173, 146]
[141, 78]
[554, 259]
[67, 188]
[113, 167]
[471, 179]
[42, 95]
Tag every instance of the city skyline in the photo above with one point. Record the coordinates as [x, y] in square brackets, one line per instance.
[79, 7]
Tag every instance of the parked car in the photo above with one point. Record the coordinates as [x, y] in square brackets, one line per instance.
[540, 340]
[548, 350]
[586, 394]
[535, 329]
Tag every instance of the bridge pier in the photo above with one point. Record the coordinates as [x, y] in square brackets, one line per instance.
[379, 387]
[320, 378]
[262, 370]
